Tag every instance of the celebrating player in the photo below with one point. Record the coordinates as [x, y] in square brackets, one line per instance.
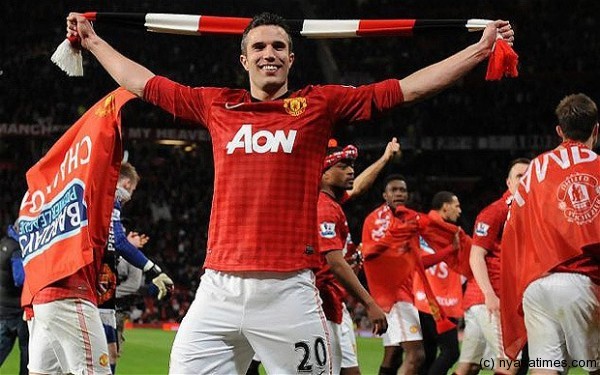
[446, 285]
[485, 263]
[262, 246]
[338, 186]
[551, 250]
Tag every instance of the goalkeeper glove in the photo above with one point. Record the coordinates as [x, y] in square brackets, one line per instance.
[164, 285]
[159, 279]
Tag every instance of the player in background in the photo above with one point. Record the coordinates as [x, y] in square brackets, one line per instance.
[337, 187]
[273, 139]
[391, 247]
[447, 287]
[130, 280]
[551, 250]
[404, 330]
[483, 320]
[127, 246]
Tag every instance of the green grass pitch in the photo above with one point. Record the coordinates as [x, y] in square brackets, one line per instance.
[146, 351]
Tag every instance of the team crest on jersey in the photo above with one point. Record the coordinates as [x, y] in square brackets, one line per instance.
[327, 230]
[107, 108]
[103, 360]
[295, 106]
[579, 198]
[481, 229]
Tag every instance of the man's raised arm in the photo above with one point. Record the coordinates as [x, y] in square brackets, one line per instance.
[434, 78]
[128, 74]
[365, 179]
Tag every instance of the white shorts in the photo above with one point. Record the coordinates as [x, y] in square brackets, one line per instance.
[562, 317]
[335, 338]
[482, 337]
[473, 343]
[66, 336]
[348, 341]
[403, 324]
[276, 315]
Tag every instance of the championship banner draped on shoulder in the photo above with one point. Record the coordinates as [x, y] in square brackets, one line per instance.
[397, 254]
[554, 216]
[440, 234]
[391, 259]
[65, 213]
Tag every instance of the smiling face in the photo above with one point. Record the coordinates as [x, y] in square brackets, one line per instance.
[267, 59]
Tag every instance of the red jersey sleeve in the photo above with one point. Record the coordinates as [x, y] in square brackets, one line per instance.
[331, 221]
[189, 103]
[488, 227]
[350, 103]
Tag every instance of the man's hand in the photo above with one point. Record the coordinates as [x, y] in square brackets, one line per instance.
[164, 285]
[494, 30]
[492, 303]
[456, 241]
[138, 240]
[377, 318]
[392, 150]
[79, 27]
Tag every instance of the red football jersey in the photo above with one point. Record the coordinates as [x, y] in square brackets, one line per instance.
[268, 158]
[81, 284]
[473, 295]
[334, 234]
[487, 233]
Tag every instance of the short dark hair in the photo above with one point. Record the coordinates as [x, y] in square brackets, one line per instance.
[515, 162]
[266, 19]
[577, 115]
[392, 177]
[440, 198]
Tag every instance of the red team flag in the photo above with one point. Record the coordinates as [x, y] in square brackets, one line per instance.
[65, 214]
[439, 234]
[392, 259]
[554, 217]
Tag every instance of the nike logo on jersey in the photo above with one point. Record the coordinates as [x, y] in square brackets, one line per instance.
[262, 141]
[233, 106]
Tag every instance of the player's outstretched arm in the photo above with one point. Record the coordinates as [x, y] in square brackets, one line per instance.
[365, 179]
[128, 74]
[434, 78]
[345, 275]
